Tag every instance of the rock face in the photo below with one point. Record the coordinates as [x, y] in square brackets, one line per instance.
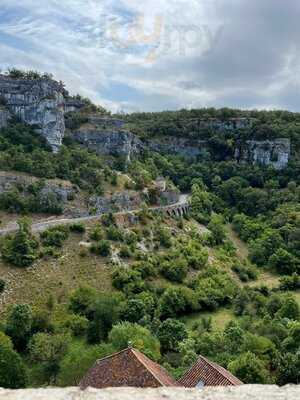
[37, 102]
[244, 392]
[123, 201]
[179, 146]
[4, 117]
[63, 191]
[106, 137]
[274, 153]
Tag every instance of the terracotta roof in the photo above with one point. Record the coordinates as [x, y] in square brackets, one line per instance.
[209, 373]
[128, 367]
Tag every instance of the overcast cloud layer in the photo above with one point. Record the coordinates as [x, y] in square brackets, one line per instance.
[163, 54]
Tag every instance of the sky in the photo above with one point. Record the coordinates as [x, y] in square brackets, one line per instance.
[139, 55]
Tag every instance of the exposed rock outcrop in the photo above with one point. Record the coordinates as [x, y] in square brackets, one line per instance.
[178, 146]
[4, 117]
[37, 102]
[63, 191]
[123, 201]
[106, 137]
[275, 153]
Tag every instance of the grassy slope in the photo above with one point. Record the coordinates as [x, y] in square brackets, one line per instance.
[54, 276]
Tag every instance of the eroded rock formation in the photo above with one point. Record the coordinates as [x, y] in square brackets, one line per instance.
[275, 153]
[37, 102]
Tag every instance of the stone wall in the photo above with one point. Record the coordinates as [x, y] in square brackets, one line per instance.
[244, 392]
[37, 102]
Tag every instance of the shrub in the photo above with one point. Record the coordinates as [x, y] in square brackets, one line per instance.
[164, 237]
[114, 233]
[174, 270]
[108, 219]
[97, 233]
[20, 249]
[2, 285]
[125, 252]
[78, 324]
[290, 282]
[55, 236]
[102, 248]
[244, 272]
[128, 280]
[77, 227]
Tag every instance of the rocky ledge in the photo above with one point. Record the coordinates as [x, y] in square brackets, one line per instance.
[244, 392]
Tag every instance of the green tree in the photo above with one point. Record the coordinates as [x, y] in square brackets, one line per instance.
[104, 313]
[20, 249]
[289, 369]
[77, 361]
[289, 309]
[48, 350]
[19, 324]
[125, 333]
[13, 373]
[217, 229]
[170, 333]
[284, 262]
[249, 369]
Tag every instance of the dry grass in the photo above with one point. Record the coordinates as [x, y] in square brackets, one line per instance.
[54, 276]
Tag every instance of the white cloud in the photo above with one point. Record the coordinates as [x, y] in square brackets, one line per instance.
[196, 53]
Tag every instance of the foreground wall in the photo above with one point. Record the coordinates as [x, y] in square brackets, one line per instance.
[244, 392]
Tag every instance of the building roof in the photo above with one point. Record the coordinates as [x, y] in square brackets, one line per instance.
[128, 367]
[209, 374]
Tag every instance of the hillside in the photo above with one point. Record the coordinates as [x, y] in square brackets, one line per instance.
[176, 231]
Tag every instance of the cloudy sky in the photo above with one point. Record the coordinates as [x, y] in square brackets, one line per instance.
[135, 55]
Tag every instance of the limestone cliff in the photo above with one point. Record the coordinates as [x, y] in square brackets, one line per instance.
[37, 102]
[274, 153]
[4, 117]
[106, 136]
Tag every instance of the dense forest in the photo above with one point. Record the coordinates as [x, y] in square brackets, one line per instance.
[236, 255]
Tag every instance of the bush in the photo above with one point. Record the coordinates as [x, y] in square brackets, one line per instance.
[164, 237]
[77, 227]
[101, 248]
[78, 324]
[175, 270]
[2, 285]
[125, 252]
[176, 301]
[245, 273]
[290, 282]
[108, 219]
[114, 233]
[128, 280]
[55, 236]
[97, 233]
[20, 249]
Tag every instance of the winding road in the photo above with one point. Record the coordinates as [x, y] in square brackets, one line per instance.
[43, 225]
